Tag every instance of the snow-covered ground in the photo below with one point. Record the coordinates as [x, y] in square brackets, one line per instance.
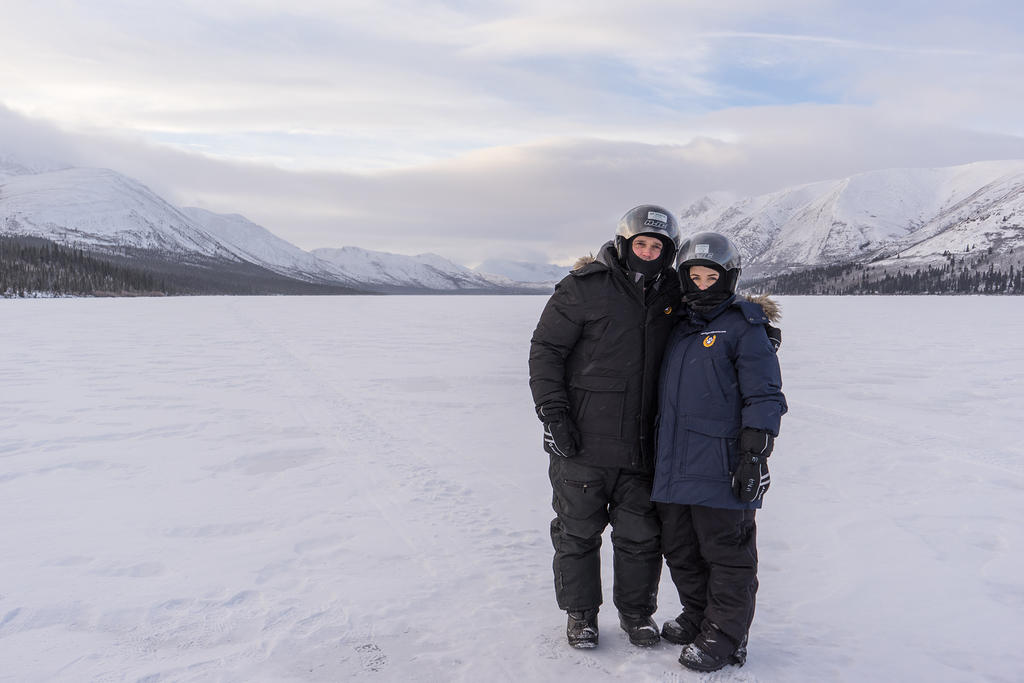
[335, 488]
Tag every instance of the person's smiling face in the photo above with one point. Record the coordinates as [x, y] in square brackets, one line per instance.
[646, 247]
[703, 277]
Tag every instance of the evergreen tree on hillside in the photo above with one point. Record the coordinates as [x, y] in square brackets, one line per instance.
[952, 276]
[35, 265]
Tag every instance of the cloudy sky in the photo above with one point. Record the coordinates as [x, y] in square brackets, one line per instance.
[498, 129]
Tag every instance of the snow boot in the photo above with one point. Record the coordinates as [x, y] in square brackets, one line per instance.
[642, 631]
[680, 630]
[739, 658]
[582, 629]
[711, 650]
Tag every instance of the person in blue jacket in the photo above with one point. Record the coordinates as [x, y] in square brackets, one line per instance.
[720, 405]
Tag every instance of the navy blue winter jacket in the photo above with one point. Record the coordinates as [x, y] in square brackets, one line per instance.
[717, 376]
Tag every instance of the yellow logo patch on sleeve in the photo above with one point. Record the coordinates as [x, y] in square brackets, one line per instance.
[709, 340]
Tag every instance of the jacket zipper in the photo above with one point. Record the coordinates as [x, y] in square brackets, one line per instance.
[643, 378]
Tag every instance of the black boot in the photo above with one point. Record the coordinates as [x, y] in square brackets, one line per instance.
[739, 658]
[680, 630]
[582, 629]
[642, 631]
[710, 651]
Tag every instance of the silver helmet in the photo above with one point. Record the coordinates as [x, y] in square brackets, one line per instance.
[647, 219]
[712, 250]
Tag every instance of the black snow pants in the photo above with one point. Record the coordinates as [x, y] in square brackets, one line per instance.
[712, 556]
[586, 499]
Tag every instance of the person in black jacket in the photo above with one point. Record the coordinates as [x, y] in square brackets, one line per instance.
[721, 404]
[594, 362]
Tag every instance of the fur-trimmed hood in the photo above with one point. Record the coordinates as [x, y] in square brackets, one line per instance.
[605, 256]
[772, 309]
[583, 261]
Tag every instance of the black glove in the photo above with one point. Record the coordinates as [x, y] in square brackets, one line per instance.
[560, 434]
[756, 442]
[774, 336]
[751, 479]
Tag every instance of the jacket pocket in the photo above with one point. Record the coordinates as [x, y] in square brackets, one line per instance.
[709, 445]
[599, 404]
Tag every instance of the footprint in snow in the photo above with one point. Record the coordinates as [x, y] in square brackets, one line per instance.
[371, 657]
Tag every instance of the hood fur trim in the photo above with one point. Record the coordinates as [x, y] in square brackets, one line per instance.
[771, 308]
[583, 261]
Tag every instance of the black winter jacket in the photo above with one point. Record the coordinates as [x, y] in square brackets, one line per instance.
[596, 353]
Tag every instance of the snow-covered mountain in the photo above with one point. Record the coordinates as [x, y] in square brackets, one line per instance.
[255, 244]
[100, 209]
[424, 271]
[916, 213]
[105, 211]
[524, 271]
[11, 166]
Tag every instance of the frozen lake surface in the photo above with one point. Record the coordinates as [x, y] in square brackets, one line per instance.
[335, 488]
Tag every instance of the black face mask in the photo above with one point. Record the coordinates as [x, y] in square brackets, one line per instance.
[649, 269]
[704, 300]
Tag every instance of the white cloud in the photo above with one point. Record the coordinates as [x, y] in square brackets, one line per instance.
[560, 197]
[497, 128]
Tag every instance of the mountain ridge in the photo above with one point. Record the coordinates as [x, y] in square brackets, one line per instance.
[103, 211]
[877, 216]
[887, 218]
